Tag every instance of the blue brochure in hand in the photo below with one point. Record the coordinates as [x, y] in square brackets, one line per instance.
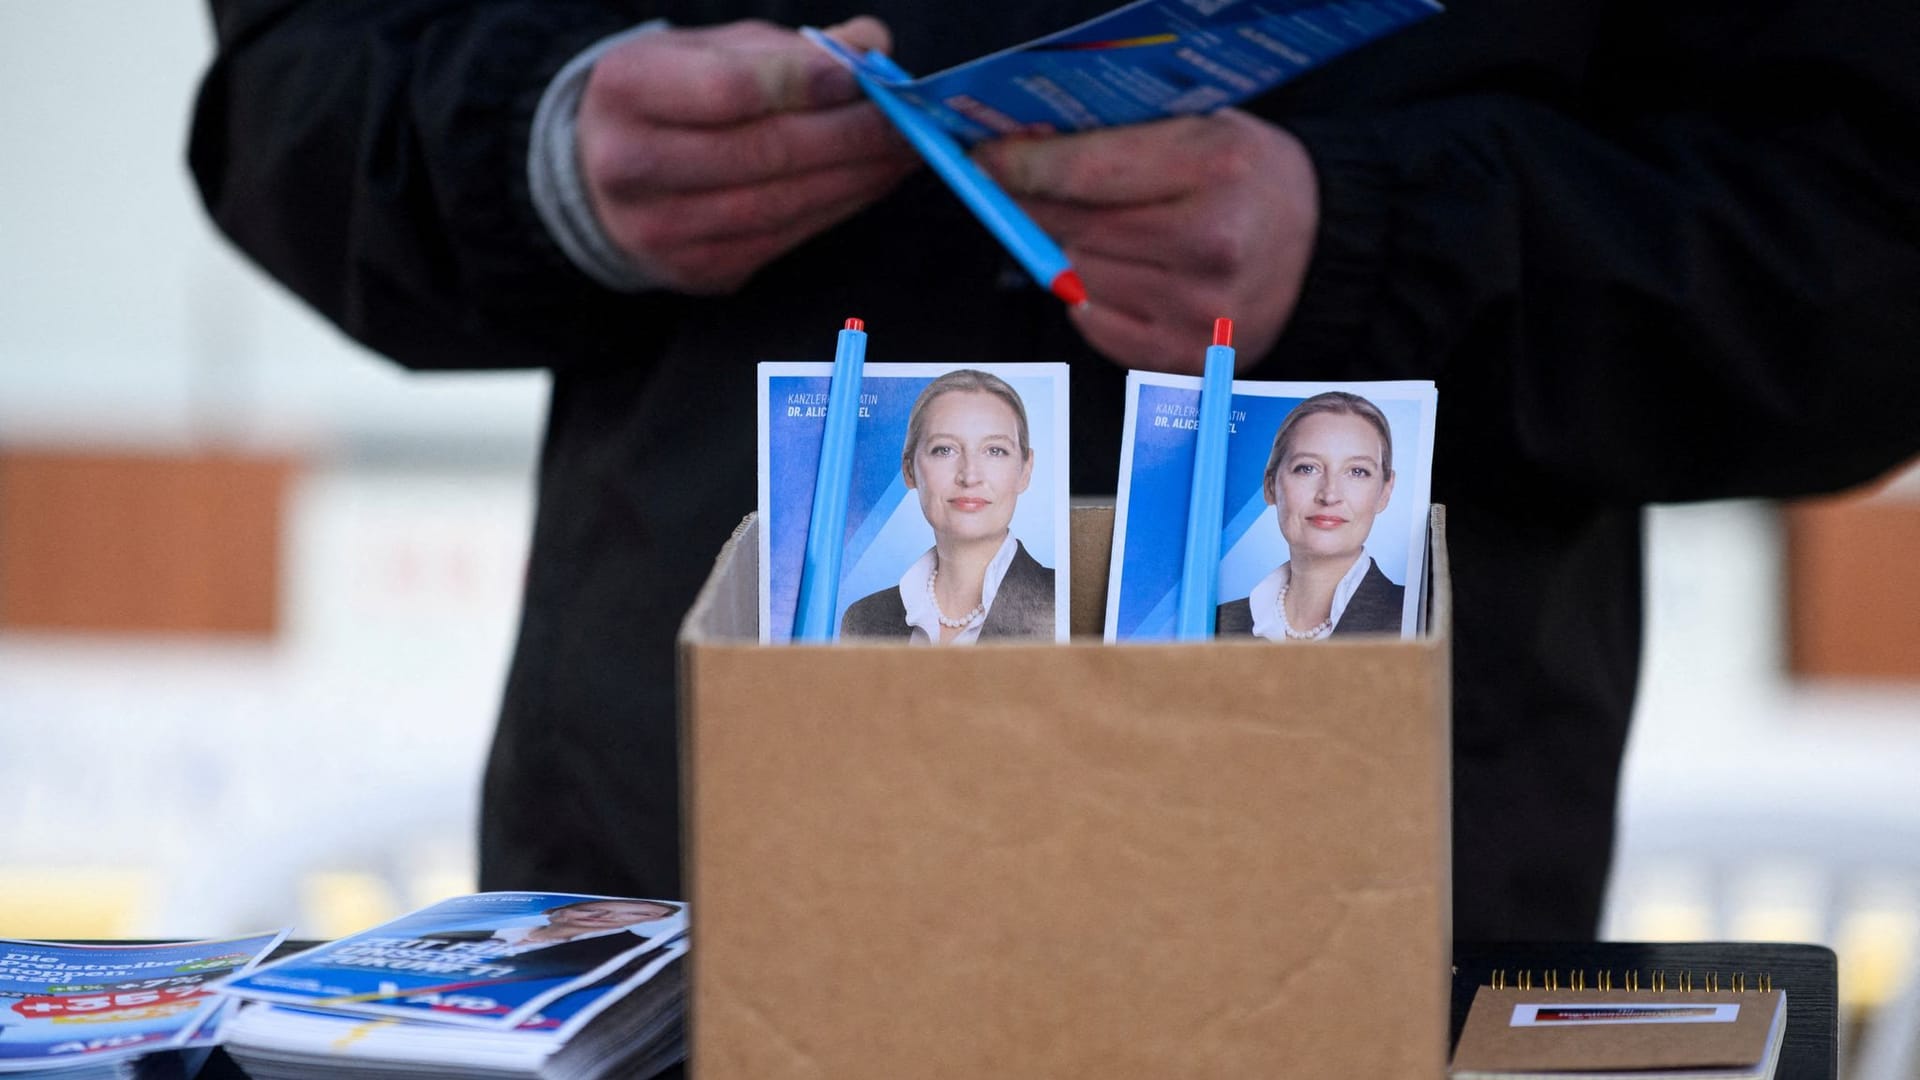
[1144, 61]
[1148, 60]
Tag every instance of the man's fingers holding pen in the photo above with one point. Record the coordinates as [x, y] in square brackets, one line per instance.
[1137, 163]
[721, 75]
[1172, 224]
[707, 152]
[715, 267]
[1136, 319]
[672, 221]
[666, 158]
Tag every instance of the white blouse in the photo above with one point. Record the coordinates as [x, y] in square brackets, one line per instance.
[924, 616]
[1264, 600]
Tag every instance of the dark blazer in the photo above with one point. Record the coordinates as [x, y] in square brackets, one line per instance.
[561, 960]
[1022, 607]
[1374, 608]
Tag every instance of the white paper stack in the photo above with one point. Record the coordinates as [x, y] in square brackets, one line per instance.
[629, 1024]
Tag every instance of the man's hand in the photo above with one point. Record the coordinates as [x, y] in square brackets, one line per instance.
[1171, 225]
[709, 152]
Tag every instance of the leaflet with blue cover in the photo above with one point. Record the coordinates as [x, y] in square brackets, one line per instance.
[75, 1006]
[278, 1033]
[1144, 61]
[887, 528]
[488, 960]
[1159, 438]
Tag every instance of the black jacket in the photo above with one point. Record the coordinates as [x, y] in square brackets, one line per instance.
[1649, 251]
[1375, 607]
[1023, 606]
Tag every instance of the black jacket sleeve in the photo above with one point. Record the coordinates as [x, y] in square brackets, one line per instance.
[371, 155]
[1689, 270]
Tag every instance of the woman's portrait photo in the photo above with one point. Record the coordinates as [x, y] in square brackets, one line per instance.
[1329, 474]
[1323, 523]
[956, 523]
[968, 456]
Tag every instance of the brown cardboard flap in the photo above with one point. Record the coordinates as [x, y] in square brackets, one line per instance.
[1225, 859]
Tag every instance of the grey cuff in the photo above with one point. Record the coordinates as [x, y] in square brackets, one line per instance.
[553, 173]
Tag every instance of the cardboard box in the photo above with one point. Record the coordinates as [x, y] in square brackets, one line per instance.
[1083, 860]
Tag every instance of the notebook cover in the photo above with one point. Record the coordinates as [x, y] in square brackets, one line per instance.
[1576, 1031]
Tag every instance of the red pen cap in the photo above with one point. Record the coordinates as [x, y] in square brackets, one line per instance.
[1223, 331]
[855, 324]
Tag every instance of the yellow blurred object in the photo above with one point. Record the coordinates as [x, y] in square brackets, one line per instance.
[68, 902]
[1877, 950]
[337, 903]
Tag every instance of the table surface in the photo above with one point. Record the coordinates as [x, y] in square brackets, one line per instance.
[1810, 1050]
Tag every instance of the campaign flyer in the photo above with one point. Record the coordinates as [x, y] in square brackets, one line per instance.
[284, 1029]
[965, 478]
[487, 960]
[67, 1003]
[563, 1018]
[1349, 483]
[1145, 61]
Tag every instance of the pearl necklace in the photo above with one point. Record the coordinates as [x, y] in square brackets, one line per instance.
[1280, 602]
[979, 610]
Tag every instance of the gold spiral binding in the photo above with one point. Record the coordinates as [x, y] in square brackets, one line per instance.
[1633, 980]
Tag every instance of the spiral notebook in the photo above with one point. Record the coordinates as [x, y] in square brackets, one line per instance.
[1662, 1028]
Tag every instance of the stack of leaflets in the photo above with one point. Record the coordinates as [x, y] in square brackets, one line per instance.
[511, 984]
[146, 1011]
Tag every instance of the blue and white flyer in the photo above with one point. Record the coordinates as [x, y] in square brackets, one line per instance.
[1147, 60]
[956, 528]
[1323, 528]
[68, 1005]
[281, 1032]
[488, 960]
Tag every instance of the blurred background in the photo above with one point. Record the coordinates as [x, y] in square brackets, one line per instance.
[258, 589]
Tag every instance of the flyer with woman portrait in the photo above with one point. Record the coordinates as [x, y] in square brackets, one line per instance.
[487, 960]
[956, 525]
[1323, 528]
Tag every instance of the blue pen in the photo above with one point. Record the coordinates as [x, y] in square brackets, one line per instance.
[1035, 250]
[1200, 572]
[827, 526]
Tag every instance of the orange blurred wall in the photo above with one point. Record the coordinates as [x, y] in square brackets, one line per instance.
[140, 542]
[1853, 583]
